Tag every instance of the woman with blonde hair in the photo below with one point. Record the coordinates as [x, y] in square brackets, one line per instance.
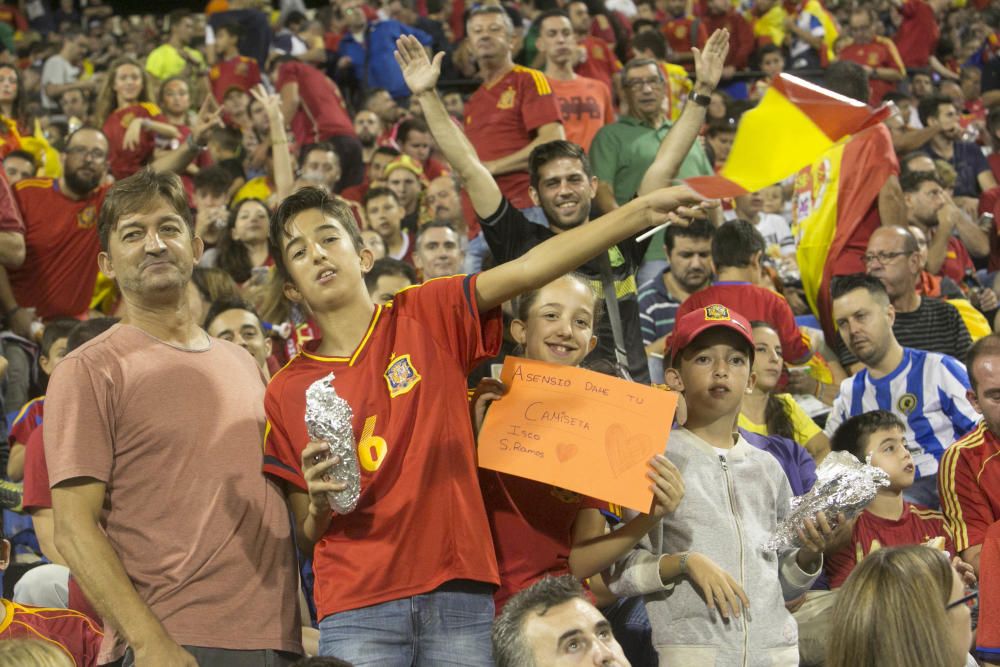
[901, 607]
[131, 121]
[31, 653]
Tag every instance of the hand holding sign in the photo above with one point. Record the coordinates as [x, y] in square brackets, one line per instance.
[577, 430]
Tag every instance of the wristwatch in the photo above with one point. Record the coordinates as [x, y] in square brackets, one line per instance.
[701, 100]
[683, 565]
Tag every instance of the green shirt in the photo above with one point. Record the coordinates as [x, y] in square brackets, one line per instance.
[623, 151]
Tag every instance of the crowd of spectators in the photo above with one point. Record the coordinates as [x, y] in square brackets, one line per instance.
[391, 196]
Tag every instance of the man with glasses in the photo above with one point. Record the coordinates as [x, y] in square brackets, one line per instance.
[877, 55]
[923, 323]
[623, 151]
[926, 390]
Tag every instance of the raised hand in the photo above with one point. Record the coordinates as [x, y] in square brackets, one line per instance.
[667, 487]
[679, 199]
[271, 102]
[710, 61]
[420, 72]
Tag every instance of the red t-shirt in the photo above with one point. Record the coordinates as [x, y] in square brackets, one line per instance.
[754, 303]
[37, 494]
[501, 118]
[60, 265]
[239, 72]
[585, 105]
[881, 52]
[956, 261]
[124, 163]
[70, 631]
[420, 521]
[601, 63]
[741, 40]
[916, 525]
[532, 526]
[27, 420]
[969, 485]
[321, 113]
[10, 215]
[683, 33]
[918, 34]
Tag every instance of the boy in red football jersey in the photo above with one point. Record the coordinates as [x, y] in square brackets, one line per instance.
[407, 577]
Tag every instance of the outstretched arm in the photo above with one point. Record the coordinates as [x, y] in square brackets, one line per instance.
[421, 75]
[708, 65]
[568, 250]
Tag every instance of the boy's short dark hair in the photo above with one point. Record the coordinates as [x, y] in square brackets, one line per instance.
[410, 125]
[848, 79]
[387, 266]
[88, 330]
[220, 306]
[853, 435]
[228, 138]
[548, 14]
[24, 155]
[324, 146]
[734, 243]
[233, 28]
[387, 150]
[542, 154]
[305, 199]
[910, 181]
[375, 193]
[55, 330]
[841, 285]
[214, 180]
[929, 106]
[695, 229]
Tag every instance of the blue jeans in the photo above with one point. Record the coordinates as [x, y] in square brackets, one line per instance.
[448, 626]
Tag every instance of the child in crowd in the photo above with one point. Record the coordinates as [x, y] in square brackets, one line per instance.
[29, 417]
[712, 595]
[543, 530]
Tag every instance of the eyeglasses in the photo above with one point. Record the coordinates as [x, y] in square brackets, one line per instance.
[883, 257]
[639, 84]
[95, 154]
[974, 595]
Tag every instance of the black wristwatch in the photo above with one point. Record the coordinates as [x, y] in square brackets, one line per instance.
[701, 100]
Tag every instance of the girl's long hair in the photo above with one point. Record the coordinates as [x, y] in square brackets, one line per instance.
[107, 99]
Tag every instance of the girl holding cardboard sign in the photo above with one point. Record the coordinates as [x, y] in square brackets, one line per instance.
[540, 529]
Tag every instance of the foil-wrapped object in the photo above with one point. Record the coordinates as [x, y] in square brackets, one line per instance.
[843, 484]
[328, 418]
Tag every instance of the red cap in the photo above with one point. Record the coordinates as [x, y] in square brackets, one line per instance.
[697, 321]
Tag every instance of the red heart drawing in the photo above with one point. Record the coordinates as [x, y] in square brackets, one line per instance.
[565, 451]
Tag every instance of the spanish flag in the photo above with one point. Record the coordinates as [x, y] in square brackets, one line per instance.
[795, 123]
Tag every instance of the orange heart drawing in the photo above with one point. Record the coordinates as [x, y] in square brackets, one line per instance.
[565, 451]
[623, 449]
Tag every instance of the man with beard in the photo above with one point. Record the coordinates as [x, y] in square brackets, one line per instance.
[970, 470]
[926, 390]
[561, 184]
[689, 251]
[514, 110]
[974, 173]
[368, 127]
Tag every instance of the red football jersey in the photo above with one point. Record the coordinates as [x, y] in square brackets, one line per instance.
[321, 113]
[240, 72]
[916, 526]
[754, 303]
[501, 118]
[969, 485]
[71, 631]
[420, 521]
[37, 494]
[918, 34]
[601, 63]
[27, 420]
[988, 630]
[683, 33]
[123, 163]
[879, 53]
[60, 264]
[585, 105]
[532, 526]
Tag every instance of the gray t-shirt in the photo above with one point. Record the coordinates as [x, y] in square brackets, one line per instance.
[59, 71]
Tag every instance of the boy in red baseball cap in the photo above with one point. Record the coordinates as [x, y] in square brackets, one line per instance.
[712, 593]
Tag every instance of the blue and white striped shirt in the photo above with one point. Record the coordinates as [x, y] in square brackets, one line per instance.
[926, 391]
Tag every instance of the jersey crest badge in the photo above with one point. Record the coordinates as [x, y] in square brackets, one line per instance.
[907, 403]
[506, 100]
[401, 376]
[87, 218]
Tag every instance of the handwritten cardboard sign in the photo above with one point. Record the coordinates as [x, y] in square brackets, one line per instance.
[578, 430]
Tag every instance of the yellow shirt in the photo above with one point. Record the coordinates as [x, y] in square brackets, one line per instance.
[165, 61]
[804, 428]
